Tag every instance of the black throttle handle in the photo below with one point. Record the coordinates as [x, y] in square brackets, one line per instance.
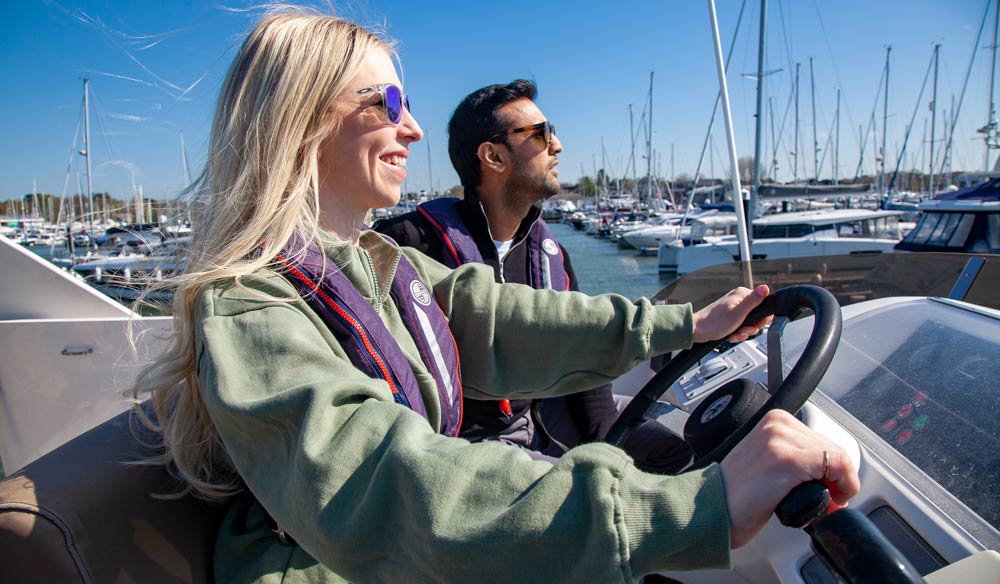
[847, 540]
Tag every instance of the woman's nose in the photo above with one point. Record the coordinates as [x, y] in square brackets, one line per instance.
[409, 128]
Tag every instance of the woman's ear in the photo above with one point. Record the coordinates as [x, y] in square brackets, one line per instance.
[492, 157]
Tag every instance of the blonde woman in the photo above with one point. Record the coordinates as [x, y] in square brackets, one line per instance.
[314, 383]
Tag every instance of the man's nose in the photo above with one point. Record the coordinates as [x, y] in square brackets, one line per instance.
[555, 146]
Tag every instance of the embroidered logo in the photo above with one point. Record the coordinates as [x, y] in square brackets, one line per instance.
[550, 247]
[420, 293]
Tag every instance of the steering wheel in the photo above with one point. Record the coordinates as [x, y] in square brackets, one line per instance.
[848, 540]
[793, 302]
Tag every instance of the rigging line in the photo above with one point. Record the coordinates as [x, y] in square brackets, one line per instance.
[871, 123]
[749, 63]
[909, 127]
[791, 93]
[965, 84]
[69, 165]
[781, 130]
[836, 70]
[103, 130]
[827, 146]
[784, 35]
[112, 148]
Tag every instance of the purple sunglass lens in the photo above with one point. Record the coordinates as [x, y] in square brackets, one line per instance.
[393, 103]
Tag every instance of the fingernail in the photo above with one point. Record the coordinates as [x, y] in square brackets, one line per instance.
[760, 290]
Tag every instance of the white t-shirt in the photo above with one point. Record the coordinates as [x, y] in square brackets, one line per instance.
[503, 247]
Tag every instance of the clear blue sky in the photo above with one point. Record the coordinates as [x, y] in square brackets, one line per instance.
[156, 66]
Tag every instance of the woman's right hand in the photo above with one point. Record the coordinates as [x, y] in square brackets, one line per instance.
[779, 454]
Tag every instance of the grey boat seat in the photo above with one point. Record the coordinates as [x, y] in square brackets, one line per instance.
[79, 514]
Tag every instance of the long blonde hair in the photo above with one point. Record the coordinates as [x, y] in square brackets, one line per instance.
[259, 188]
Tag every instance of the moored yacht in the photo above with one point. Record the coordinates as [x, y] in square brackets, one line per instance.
[801, 234]
[965, 220]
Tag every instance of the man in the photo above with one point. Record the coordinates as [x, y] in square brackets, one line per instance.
[506, 156]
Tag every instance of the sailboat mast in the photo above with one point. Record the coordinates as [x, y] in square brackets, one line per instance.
[937, 50]
[836, 149]
[631, 132]
[795, 150]
[649, 145]
[991, 110]
[761, 56]
[885, 119]
[812, 82]
[923, 158]
[604, 166]
[774, 139]
[86, 151]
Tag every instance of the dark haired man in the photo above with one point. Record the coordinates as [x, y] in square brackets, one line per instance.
[506, 156]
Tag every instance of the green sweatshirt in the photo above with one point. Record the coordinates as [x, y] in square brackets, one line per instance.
[372, 494]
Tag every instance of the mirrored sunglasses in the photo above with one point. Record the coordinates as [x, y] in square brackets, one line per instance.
[393, 100]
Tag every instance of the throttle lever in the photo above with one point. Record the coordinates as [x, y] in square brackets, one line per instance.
[847, 541]
[804, 505]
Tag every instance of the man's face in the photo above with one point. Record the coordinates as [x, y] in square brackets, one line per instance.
[533, 171]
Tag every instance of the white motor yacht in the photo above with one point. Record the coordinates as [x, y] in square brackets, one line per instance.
[705, 227]
[800, 234]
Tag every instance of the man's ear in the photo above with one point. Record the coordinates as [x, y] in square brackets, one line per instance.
[493, 157]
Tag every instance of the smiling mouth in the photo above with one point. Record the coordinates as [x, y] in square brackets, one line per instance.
[394, 160]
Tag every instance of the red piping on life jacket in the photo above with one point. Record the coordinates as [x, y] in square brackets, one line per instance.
[343, 314]
[444, 235]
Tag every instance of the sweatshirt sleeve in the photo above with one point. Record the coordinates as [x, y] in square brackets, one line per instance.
[367, 487]
[518, 342]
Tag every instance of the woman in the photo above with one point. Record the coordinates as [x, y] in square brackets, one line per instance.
[314, 373]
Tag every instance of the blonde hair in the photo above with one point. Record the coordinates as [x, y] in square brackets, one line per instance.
[259, 189]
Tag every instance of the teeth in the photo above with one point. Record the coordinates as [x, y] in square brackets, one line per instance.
[395, 160]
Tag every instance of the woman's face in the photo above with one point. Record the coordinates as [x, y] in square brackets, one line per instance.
[362, 165]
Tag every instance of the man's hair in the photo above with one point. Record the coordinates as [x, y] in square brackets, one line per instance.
[476, 119]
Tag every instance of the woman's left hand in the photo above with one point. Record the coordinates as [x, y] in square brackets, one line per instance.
[721, 317]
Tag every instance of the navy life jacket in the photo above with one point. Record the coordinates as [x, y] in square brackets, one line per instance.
[547, 268]
[367, 341]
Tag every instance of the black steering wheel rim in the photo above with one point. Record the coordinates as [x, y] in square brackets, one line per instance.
[793, 302]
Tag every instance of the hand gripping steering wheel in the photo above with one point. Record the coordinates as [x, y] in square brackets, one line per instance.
[792, 302]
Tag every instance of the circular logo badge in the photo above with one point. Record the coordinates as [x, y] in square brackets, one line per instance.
[550, 247]
[420, 292]
[716, 408]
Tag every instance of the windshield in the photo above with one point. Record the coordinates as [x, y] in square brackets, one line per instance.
[922, 375]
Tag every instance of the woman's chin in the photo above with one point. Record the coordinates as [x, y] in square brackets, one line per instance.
[387, 200]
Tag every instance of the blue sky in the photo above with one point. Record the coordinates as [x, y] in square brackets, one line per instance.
[156, 66]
